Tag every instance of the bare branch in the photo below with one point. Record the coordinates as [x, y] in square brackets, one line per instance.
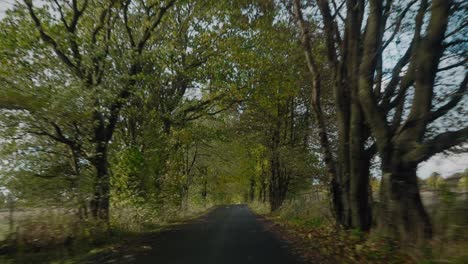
[147, 33]
[374, 114]
[49, 40]
[396, 78]
[102, 20]
[126, 24]
[338, 9]
[397, 23]
[454, 43]
[454, 65]
[427, 59]
[456, 30]
[316, 85]
[329, 31]
[438, 144]
[62, 15]
[457, 96]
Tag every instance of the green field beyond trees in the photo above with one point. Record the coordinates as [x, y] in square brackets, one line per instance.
[122, 117]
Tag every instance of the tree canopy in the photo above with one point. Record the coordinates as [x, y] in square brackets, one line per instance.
[169, 104]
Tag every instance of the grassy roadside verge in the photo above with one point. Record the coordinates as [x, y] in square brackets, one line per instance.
[316, 240]
[124, 247]
[108, 245]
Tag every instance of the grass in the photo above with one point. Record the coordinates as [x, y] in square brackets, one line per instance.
[4, 230]
[308, 226]
[60, 238]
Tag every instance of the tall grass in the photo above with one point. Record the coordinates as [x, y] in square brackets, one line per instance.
[307, 219]
[45, 236]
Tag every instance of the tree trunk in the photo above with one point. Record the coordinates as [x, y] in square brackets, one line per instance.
[278, 184]
[204, 192]
[252, 189]
[184, 197]
[402, 213]
[274, 192]
[359, 201]
[278, 178]
[349, 171]
[100, 202]
[263, 185]
[76, 185]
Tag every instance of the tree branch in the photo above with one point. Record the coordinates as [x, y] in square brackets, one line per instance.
[457, 96]
[438, 144]
[127, 26]
[397, 23]
[396, 78]
[49, 40]
[426, 62]
[147, 33]
[316, 85]
[374, 115]
[329, 31]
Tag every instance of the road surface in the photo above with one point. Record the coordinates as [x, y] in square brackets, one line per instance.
[227, 235]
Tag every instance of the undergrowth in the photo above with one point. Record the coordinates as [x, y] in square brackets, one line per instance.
[307, 224]
[58, 237]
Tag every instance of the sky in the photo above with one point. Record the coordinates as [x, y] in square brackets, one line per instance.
[4, 5]
[444, 164]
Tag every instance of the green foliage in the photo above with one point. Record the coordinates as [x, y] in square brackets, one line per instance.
[447, 196]
[463, 183]
[186, 121]
[435, 181]
[185, 81]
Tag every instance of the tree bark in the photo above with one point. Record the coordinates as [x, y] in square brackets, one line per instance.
[275, 182]
[278, 185]
[402, 214]
[100, 201]
[263, 184]
[402, 147]
[204, 192]
[252, 189]
[359, 202]
[349, 173]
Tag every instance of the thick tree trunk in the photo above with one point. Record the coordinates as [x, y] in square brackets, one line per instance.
[340, 180]
[277, 189]
[275, 184]
[100, 201]
[278, 184]
[402, 214]
[359, 198]
[351, 191]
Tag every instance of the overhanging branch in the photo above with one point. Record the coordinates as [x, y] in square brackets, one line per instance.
[438, 144]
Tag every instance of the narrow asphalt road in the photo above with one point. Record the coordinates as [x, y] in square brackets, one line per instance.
[227, 235]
